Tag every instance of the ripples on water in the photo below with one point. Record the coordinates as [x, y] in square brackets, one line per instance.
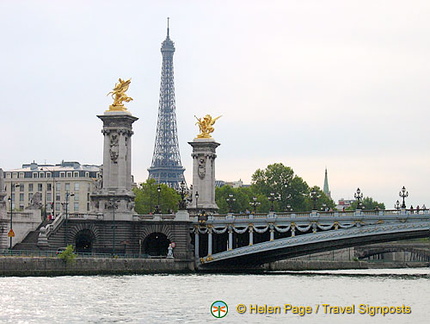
[187, 298]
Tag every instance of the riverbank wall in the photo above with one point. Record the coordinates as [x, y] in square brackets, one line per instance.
[298, 265]
[45, 266]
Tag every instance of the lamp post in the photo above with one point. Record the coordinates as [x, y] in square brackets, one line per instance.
[11, 234]
[403, 194]
[183, 192]
[230, 200]
[314, 197]
[197, 201]
[397, 205]
[157, 208]
[359, 195]
[289, 209]
[272, 199]
[66, 205]
[254, 203]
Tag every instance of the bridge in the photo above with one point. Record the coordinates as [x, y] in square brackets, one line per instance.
[247, 241]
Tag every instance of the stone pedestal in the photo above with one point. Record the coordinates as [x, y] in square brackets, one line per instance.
[203, 175]
[114, 197]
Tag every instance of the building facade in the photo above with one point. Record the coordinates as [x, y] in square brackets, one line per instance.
[52, 187]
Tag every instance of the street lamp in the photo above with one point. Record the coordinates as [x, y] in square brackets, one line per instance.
[314, 197]
[11, 234]
[254, 203]
[289, 209]
[403, 194]
[197, 201]
[397, 205]
[66, 205]
[359, 195]
[230, 200]
[272, 199]
[157, 208]
[183, 192]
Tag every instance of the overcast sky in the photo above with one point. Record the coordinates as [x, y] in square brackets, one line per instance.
[311, 84]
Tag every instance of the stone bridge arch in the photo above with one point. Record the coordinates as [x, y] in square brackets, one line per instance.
[155, 239]
[84, 237]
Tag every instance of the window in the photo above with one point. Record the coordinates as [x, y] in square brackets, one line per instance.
[67, 187]
[69, 174]
[76, 206]
[57, 196]
[21, 187]
[76, 174]
[76, 186]
[15, 175]
[35, 175]
[87, 174]
[76, 197]
[57, 206]
[48, 174]
[62, 174]
[21, 197]
[49, 187]
[21, 175]
[58, 186]
[39, 187]
[13, 197]
[48, 196]
[41, 175]
[30, 196]
[8, 175]
[30, 187]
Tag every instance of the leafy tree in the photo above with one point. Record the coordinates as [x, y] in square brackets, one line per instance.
[323, 203]
[242, 197]
[290, 189]
[368, 204]
[68, 255]
[147, 197]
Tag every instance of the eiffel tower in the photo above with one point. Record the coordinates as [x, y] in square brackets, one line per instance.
[166, 166]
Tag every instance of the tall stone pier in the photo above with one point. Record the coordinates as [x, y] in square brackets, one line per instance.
[203, 192]
[114, 197]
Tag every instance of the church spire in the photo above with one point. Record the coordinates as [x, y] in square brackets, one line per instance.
[326, 189]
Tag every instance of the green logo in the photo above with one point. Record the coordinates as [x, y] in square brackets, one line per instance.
[219, 309]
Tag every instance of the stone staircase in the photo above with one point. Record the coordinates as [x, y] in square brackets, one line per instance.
[30, 241]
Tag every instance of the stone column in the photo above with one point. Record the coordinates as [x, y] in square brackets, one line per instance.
[196, 243]
[117, 179]
[204, 174]
[230, 238]
[209, 241]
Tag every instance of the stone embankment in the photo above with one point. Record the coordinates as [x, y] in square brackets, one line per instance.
[45, 266]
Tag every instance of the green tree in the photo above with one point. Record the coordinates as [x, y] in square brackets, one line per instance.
[68, 255]
[242, 197]
[147, 197]
[323, 202]
[368, 204]
[284, 184]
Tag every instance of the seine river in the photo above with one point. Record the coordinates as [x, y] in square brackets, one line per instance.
[306, 297]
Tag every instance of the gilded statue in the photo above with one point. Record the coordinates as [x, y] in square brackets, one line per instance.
[119, 96]
[206, 126]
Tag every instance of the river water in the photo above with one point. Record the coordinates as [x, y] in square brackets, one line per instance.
[188, 298]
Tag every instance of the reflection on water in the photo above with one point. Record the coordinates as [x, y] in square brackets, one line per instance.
[187, 298]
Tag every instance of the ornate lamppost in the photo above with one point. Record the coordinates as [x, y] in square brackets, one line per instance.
[289, 209]
[11, 233]
[197, 201]
[397, 205]
[254, 203]
[183, 192]
[272, 199]
[359, 195]
[157, 208]
[314, 197]
[230, 200]
[403, 194]
[66, 205]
